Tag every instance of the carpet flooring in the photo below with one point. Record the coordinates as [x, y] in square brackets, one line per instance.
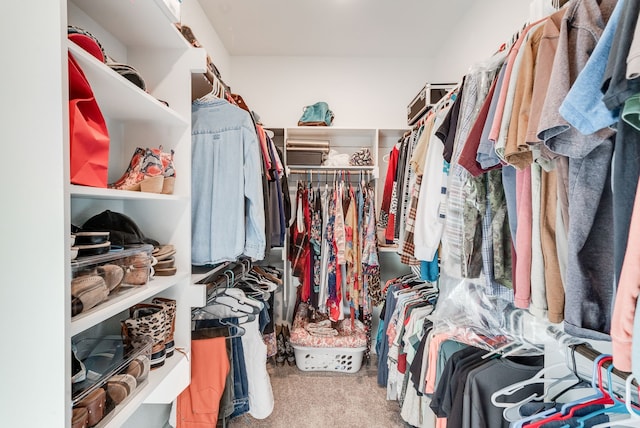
[305, 399]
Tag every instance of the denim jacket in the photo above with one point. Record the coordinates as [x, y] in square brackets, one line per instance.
[227, 210]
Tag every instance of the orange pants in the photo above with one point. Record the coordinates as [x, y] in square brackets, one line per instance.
[198, 404]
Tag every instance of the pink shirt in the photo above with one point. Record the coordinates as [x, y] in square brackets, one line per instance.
[523, 238]
[624, 309]
[495, 127]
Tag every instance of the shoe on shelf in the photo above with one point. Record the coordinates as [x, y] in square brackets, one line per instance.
[78, 370]
[169, 171]
[145, 173]
[112, 275]
[170, 322]
[147, 320]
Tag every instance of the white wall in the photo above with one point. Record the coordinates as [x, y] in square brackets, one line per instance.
[478, 34]
[362, 92]
[371, 92]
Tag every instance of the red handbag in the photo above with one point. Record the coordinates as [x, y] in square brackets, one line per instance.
[88, 134]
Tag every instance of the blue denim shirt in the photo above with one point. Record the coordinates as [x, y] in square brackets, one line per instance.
[227, 209]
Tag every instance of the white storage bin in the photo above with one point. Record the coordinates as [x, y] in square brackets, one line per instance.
[347, 360]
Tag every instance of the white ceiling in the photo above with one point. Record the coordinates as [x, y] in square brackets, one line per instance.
[367, 28]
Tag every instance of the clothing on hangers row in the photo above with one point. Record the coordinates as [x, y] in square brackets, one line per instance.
[238, 311]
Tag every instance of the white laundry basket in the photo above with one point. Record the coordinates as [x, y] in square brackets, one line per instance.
[347, 360]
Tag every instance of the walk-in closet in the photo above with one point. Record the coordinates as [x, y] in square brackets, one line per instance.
[259, 213]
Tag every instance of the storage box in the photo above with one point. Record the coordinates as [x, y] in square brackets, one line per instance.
[307, 152]
[108, 364]
[135, 263]
[95, 278]
[347, 360]
[429, 95]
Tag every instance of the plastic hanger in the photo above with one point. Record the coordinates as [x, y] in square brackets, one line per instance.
[542, 415]
[600, 397]
[617, 407]
[511, 411]
[634, 416]
[233, 298]
[239, 331]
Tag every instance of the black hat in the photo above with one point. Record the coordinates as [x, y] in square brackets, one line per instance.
[123, 230]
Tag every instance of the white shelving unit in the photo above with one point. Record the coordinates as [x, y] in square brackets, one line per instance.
[42, 205]
[343, 140]
[141, 35]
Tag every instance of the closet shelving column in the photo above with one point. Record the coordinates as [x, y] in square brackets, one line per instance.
[342, 140]
[142, 35]
[387, 138]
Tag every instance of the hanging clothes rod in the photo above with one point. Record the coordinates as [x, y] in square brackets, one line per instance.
[234, 272]
[584, 349]
[326, 170]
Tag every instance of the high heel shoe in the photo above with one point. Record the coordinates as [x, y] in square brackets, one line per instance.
[145, 173]
[132, 170]
[169, 171]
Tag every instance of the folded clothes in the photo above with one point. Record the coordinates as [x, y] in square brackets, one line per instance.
[321, 329]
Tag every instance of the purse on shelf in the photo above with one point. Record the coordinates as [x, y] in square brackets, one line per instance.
[88, 134]
[318, 114]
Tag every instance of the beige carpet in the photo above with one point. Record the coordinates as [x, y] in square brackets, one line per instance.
[326, 399]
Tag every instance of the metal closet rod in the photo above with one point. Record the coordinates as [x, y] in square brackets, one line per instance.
[328, 171]
[241, 267]
[589, 352]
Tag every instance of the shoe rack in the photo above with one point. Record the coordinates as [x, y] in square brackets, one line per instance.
[41, 205]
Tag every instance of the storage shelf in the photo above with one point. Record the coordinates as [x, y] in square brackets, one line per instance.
[120, 99]
[156, 380]
[141, 23]
[387, 248]
[392, 133]
[328, 131]
[122, 301]
[332, 168]
[114, 194]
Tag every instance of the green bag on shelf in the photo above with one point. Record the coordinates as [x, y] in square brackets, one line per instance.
[318, 114]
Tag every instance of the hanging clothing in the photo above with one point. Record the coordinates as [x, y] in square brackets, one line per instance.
[590, 230]
[227, 207]
[198, 404]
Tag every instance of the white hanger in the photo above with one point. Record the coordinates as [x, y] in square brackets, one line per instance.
[511, 411]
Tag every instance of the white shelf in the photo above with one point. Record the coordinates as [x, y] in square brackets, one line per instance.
[137, 23]
[332, 168]
[175, 367]
[170, 380]
[328, 131]
[121, 301]
[197, 277]
[113, 194]
[392, 133]
[120, 99]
